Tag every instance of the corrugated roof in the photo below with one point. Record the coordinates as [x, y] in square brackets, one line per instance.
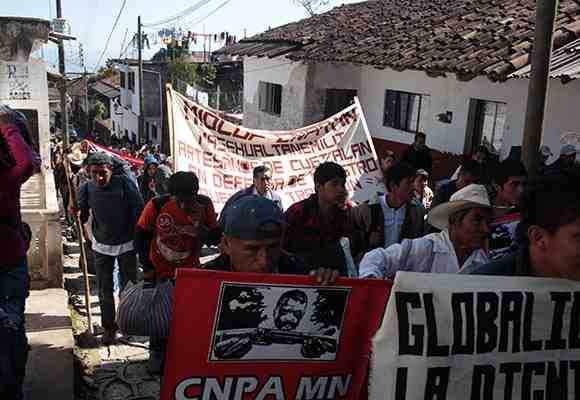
[565, 64]
[466, 37]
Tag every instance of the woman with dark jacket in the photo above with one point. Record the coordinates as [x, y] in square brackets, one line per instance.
[147, 179]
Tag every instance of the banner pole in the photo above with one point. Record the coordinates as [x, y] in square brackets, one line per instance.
[169, 96]
[366, 127]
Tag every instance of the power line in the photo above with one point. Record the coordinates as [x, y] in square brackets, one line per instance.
[110, 34]
[180, 15]
[209, 14]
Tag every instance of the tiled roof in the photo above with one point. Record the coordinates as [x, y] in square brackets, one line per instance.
[565, 64]
[466, 37]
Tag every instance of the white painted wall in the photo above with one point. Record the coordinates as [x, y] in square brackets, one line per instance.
[292, 77]
[25, 86]
[125, 118]
[308, 85]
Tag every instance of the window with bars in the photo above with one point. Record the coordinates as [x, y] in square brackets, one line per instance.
[405, 111]
[123, 78]
[270, 98]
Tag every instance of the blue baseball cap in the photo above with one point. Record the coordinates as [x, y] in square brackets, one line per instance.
[251, 218]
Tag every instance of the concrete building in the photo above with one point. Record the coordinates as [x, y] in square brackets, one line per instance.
[455, 70]
[24, 87]
[125, 109]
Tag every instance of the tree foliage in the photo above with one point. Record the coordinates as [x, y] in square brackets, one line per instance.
[182, 69]
[311, 6]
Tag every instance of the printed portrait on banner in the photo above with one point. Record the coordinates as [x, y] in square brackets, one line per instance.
[268, 322]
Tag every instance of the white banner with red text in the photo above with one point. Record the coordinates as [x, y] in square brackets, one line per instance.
[223, 154]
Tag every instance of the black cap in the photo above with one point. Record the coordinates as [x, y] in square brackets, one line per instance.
[247, 218]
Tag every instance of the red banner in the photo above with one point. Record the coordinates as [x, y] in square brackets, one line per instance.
[94, 147]
[261, 336]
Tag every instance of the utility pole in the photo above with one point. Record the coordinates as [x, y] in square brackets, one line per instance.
[86, 88]
[536, 106]
[62, 71]
[86, 101]
[140, 134]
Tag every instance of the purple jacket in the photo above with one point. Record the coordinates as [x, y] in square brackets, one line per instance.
[11, 179]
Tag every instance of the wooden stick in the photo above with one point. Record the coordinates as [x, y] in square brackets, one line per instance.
[79, 225]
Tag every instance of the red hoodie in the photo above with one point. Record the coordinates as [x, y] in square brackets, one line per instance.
[10, 182]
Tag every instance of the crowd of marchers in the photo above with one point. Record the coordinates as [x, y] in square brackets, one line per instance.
[488, 218]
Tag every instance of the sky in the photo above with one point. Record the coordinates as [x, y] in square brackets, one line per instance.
[91, 22]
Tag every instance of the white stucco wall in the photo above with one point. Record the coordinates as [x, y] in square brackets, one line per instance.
[292, 77]
[125, 118]
[309, 83]
[25, 86]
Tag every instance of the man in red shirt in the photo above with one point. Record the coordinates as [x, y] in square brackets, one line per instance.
[173, 228]
[314, 226]
[170, 234]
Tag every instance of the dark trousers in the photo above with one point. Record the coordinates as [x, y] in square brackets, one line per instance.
[14, 285]
[127, 272]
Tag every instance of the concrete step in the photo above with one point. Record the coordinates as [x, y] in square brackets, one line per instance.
[50, 370]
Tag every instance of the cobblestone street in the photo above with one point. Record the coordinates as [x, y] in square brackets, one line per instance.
[116, 372]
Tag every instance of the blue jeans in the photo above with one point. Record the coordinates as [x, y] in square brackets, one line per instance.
[14, 287]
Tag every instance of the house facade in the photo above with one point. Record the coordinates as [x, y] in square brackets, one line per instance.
[456, 70]
[455, 115]
[125, 108]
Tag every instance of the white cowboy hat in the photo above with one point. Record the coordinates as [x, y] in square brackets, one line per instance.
[470, 196]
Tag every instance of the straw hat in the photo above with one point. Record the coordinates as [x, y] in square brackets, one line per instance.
[471, 196]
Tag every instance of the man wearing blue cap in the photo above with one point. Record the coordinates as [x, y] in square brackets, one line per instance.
[253, 242]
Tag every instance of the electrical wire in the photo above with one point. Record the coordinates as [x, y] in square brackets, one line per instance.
[110, 34]
[178, 16]
[195, 22]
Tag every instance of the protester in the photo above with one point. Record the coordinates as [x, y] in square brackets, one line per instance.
[545, 154]
[170, 234]
[387, 160]
[423, 192]
[469, 173]
[316, 225]
[509, 182]
[566, 160]
[548, 233]
[147, 179]
[262, 178]
[487, 170]
[464, 224]
[253, 238]
[78, 159]
[162, 176]
[17, 163]
[418, 154]
[397, 215]
[115, 205]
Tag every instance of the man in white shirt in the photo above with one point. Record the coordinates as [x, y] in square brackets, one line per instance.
[464, 222]
[262, 178]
